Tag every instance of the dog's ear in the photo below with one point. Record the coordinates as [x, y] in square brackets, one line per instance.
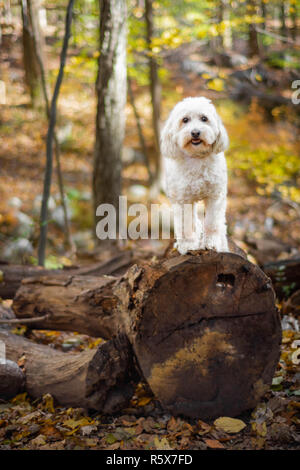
[222, 140]
[167, 139]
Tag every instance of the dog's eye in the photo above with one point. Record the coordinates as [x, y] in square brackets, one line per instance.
[204, 118]
[185, 120]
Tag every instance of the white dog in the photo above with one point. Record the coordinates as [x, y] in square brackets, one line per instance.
[193, 143]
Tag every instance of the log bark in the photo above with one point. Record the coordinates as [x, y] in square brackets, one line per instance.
[85, 304]
[204, 328]
[98, 379]
[12, 275]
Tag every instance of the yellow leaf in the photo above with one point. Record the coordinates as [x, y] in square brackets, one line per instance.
[260, 428]
[229, 425]
[73, 423]
[162, 444]
[21, 398]
[48, 404]
[217, 84]
[144, 401]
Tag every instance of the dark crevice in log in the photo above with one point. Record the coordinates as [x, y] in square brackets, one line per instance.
[208, 319]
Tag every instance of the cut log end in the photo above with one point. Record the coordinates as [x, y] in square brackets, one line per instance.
[205, 331]
[12, 379]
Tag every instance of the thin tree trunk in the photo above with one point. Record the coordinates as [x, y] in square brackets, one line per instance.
[111, 94]
[263, 8]
[293, 11]
[155, 87]
[50, 136]
[227, 41]
[218, 40]
[67, 233]
[32, 35]
[139, 129]
[283, 27]
[253, 45]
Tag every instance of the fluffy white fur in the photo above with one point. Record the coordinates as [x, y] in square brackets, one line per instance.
[195, 170]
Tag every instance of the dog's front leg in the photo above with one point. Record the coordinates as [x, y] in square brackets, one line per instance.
[187, 239]
[215, 224]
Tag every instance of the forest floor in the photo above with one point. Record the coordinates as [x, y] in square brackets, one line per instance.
[263, 218]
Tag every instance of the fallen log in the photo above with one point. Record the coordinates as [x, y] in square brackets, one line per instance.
[204, 328]
[12, 379]
[12, 275]
[85, 304]
[98, 379]
[285, 276]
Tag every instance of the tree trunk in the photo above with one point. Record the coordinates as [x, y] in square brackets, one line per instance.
[98, 379]
[263, 8]
[294, 16]
[253, 45]
[111, 94]
[283, 27]
[51, 136]
[155, 87]
[204, 327]
[32, 35]
[140, 130]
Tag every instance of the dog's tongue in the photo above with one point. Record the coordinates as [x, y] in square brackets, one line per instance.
[196, 141]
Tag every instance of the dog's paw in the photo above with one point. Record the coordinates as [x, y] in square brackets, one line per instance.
[216, 242]
[184, 246]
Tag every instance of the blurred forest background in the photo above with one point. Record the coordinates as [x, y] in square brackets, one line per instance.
[244, 55]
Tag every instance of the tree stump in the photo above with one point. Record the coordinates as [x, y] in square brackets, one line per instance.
[203, 328]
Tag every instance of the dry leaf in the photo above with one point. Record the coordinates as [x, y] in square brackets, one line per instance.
[260, 428]
[229, 425]
[213, 444]
[47, 403]
[144, 401]
[162, 444]
[74, 424]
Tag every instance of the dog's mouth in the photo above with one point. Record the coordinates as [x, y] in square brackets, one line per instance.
[196, 141]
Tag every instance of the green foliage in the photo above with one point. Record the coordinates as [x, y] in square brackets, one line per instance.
[267, 157]
[290, 58]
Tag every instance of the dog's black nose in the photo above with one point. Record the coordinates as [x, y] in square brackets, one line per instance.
[195, 134]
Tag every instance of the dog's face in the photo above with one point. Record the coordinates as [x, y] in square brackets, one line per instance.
[194, 129]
